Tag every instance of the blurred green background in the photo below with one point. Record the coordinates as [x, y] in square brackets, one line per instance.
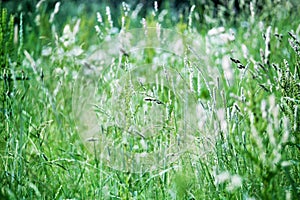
[208, 14]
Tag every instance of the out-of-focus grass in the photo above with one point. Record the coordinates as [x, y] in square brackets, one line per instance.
[254, 153]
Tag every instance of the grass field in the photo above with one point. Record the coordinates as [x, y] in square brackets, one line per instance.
[201, 104]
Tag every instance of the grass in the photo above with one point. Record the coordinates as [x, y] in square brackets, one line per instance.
[218, 119]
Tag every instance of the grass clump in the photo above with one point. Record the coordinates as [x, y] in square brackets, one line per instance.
[211, 107]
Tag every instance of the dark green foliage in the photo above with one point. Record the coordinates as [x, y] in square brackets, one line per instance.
[7, 50]
[7, 57]
[277, 77]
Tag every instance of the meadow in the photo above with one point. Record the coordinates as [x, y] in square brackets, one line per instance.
[128, 101]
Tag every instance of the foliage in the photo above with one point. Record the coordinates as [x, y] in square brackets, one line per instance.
[244, 76]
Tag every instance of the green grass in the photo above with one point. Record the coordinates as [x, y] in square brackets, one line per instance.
[217, 120]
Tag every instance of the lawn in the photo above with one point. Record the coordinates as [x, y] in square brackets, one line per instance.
[159, 101]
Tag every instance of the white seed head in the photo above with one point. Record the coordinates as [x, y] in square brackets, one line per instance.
[108, 14]
[99, 18]
[56, 10]
[235, 182]
[190, 16]
[123, 23]
[252, 11]
[126, 8]
[270, 131]
[222, 177]
[38, 5]
[162, 14]
[277, 157]
[158, 30]
[245, 51]
[267, 45]
[263, 109]
[226, 65]
[286, 133]
[97, 28]
[155, 6]
[144, 23]
[136, 11]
